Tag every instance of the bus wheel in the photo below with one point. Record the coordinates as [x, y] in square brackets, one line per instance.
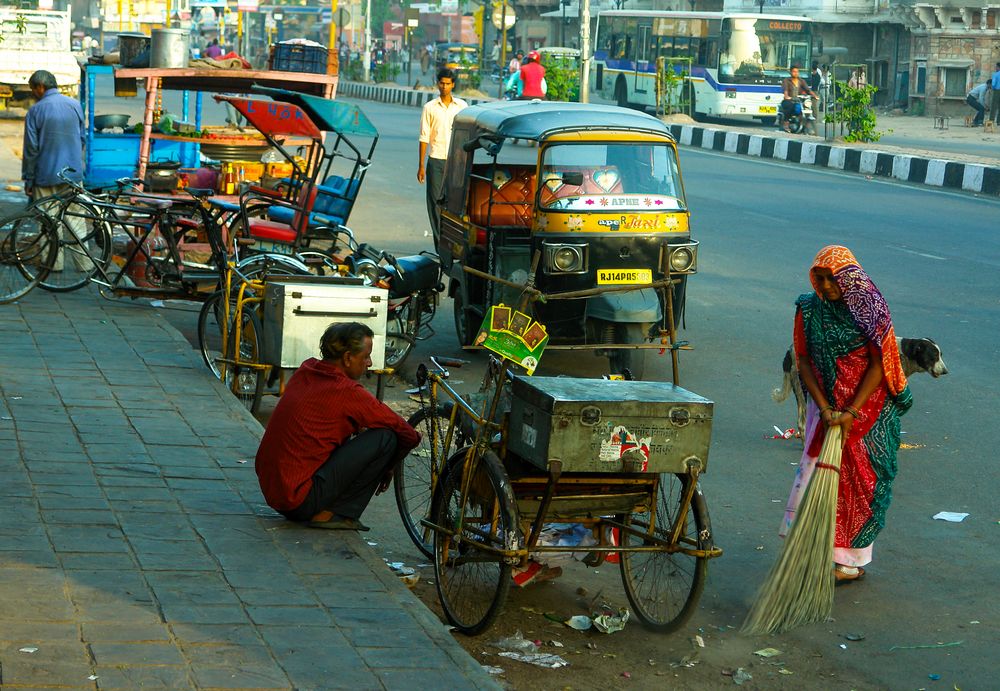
[621, 93]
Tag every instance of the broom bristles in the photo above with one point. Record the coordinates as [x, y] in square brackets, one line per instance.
[799, 588]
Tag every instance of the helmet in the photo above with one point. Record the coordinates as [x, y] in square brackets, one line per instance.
[533, 55]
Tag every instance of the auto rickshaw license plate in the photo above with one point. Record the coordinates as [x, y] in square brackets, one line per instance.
[624, 276]
[769, 109]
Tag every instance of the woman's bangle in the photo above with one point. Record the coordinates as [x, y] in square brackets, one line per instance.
[825, 408]
[853, 412]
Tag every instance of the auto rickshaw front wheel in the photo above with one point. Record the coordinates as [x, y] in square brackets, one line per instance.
[465, 329]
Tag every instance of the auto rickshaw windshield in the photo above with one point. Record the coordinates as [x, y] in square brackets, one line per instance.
[611, 176]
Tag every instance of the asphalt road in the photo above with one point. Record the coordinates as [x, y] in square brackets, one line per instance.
[935, 256]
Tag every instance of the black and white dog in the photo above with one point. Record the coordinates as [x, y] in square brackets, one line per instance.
[915, 354]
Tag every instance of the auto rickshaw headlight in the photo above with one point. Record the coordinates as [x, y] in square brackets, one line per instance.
[563, 258]
[683, 258]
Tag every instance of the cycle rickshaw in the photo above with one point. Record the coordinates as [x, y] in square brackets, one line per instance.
[621, 458]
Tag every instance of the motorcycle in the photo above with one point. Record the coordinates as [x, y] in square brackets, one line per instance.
[414, 284]
[802, 120]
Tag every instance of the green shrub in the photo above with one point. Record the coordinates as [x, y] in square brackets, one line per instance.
[855, 111]
[562, 77]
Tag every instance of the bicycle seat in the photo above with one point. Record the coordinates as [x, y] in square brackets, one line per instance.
[200, 192]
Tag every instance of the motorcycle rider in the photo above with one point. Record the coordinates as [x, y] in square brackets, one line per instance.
[793, 86]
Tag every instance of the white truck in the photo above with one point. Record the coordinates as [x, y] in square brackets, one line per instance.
[35, 40]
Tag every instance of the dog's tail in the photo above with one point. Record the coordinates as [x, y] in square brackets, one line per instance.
[779, 395]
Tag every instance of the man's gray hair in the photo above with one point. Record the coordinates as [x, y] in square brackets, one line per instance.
[43, 78]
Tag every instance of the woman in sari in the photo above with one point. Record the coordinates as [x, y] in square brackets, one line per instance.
[848, 360]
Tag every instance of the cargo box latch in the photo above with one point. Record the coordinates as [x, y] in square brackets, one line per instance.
[590, 415]
[680, 417]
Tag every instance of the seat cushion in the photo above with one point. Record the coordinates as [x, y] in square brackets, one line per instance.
[263, 229]
[512, 197]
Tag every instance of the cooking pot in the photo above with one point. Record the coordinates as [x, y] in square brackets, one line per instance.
[106, 122]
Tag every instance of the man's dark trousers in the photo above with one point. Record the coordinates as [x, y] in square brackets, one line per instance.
[980, 110]
[435, 194]
[348, 480]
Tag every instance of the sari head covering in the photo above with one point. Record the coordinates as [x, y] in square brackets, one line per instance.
[866, 306]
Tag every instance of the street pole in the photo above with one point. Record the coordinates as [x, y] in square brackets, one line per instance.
[368, 40]
[585, 51]
[503, 48]
[562, 25]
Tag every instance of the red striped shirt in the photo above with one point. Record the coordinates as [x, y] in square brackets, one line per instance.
[320, 409]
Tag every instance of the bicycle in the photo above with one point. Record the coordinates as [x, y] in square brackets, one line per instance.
[28, 244]
[128, 242]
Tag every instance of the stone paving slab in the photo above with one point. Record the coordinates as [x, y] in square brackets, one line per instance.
[135, 548]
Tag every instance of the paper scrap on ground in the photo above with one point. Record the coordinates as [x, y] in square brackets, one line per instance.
[950, 516]
[495, 671]
[538, 659]
[608, 623]
[767, 652]
[28, 649]
[579, 622]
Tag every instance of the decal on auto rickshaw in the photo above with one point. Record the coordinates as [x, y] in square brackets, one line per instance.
[663, 222]
[513, 335]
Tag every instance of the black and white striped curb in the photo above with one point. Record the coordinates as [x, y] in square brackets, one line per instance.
[935, 172]
[399, 96]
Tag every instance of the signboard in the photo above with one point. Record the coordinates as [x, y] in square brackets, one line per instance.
[248, 5]
[502, 20]
[343, 16]
[325, 15]
[513, 335]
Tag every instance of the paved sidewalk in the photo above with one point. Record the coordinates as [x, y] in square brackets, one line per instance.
[135, 548]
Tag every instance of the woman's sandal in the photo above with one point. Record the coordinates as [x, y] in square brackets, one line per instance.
[844, 574]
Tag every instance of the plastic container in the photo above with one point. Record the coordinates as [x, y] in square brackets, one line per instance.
[292, 57]
[170, 48]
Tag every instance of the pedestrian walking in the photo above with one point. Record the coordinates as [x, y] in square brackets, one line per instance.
[435, 138]
[53, 142]
[978, 99]
[995, 100]
[847, 357]
[330, 445]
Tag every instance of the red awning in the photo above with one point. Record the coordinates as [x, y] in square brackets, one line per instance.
[275, 118]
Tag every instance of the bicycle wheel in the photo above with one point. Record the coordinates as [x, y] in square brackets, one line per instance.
[664, 587]
[415, 479]
[210, 320]
[28, 245]
[84, 248]
[473, 583]
[246, 383]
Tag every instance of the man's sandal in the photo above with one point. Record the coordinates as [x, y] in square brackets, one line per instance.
[339, 523]
[844, 574]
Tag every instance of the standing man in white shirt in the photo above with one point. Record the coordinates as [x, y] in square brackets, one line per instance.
[435, 138]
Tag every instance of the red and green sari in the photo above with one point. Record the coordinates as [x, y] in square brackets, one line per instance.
[841, 338]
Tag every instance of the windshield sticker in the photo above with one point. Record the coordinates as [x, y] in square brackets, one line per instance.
[623, 446]
[606, 179]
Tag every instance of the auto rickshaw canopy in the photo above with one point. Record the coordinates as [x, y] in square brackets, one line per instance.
[538, 120]
[330, 116]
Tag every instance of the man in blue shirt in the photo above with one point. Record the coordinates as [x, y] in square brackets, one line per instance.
[995, 102]
[54, 140]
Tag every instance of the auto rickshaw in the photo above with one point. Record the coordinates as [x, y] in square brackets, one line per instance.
[586, 200]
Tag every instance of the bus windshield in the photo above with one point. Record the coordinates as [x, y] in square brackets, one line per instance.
[611, 177]
[762, 51]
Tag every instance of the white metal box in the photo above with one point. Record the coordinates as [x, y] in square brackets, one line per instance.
[297, 313]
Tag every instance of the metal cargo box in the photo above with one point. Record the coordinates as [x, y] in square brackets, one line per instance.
[593, 425]
[296, 314]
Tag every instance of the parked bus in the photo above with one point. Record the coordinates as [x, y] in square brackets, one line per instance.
[738, 60]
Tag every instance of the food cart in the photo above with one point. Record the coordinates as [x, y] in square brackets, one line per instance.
[113, 155]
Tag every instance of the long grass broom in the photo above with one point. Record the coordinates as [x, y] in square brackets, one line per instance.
[799, 588]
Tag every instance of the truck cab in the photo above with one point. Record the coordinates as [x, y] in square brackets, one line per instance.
[35, 40]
